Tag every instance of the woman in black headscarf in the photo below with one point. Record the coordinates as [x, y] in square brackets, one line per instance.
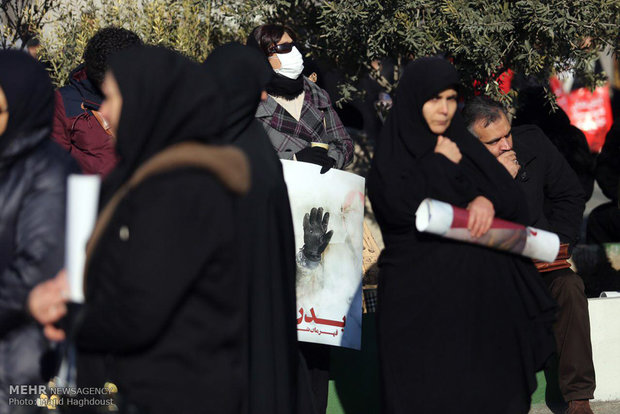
[165, 317]
[462, 328]
[268, 238]
[33, 173]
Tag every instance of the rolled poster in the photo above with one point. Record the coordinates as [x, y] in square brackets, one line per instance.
[446, 220]
[82, 201]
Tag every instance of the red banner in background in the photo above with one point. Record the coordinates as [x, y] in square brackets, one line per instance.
[588, 111]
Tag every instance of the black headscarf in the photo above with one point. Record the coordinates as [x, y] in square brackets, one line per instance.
[167, 99]
[241, 74]
[423, 79]
[29, 94]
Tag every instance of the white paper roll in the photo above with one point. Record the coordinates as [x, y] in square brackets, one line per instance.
[610, 294]
[445, 220]
[541, 245]
[82, 201]
[433, 216]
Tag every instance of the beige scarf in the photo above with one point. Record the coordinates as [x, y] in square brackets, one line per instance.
[227, 163]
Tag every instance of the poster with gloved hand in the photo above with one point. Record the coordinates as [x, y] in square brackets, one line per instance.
[328, 214]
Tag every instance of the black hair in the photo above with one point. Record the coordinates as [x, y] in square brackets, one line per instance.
[103, 44]
[264, 37]
[482, 108]
[33, 42]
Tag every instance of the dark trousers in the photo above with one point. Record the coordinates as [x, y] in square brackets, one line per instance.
[572, 332]
[317, 359]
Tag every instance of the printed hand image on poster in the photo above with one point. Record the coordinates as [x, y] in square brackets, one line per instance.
[328, 214]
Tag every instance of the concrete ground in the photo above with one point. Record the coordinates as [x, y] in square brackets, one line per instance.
[603, 407]
[597, 199]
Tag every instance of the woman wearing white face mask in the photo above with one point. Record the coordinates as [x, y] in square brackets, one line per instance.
[297, 114]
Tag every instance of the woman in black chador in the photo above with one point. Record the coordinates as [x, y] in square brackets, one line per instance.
[165, 317]
[277, 383]
[462, 328]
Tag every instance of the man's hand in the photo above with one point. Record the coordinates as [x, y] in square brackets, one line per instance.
[481, 214]
[47, 304]
[316, 236]
[509, 160]
[449, 149]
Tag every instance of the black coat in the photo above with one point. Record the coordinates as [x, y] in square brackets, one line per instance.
[166, 299]
[268, 238]
[608, 164]
[553, 192]
[277, 384]
[33, 173]
[166, 309]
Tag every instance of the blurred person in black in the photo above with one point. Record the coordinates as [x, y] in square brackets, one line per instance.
[556, 203]
[165, 316]
[533, 108]
[604, 221]
[33, 173]
[278, 384]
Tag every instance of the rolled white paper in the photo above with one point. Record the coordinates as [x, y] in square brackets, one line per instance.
[82, 202]
[610, 294]
[443, 219]
[434, 216]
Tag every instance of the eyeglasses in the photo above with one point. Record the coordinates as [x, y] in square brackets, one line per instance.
[282, 48]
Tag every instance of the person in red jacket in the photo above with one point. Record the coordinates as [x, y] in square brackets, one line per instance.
[79, 127]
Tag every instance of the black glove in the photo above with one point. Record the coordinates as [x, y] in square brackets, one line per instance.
[316, 236]
[316, 155]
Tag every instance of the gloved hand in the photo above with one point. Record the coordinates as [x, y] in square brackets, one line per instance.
[316, 236]
[316, 155]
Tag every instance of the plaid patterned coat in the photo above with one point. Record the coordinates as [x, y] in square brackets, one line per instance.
[318, 123]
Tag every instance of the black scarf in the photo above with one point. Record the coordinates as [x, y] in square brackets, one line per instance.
[167, 99]
[284, 87]
[29, 94]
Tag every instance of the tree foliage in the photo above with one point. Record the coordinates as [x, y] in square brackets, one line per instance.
[483, 37]
[191, 27]
[20, 19]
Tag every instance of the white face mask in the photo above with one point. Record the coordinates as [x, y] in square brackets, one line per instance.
[292, 64]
